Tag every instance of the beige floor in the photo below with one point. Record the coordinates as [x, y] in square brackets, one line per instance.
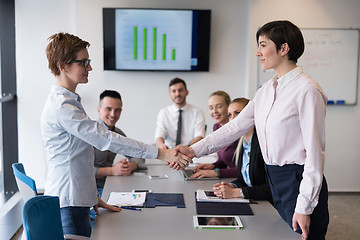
[344, 211]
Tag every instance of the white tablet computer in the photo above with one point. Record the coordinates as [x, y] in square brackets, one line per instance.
[217, 222]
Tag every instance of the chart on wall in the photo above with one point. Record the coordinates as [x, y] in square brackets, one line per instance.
[157, 40]
[331, 57]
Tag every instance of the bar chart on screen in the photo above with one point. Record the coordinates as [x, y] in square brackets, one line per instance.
[154, 46]
[153, 40]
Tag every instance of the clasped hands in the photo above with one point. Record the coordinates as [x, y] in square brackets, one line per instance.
[123, 167]
[177, 158]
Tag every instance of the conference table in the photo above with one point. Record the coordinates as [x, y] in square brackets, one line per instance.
[163, 222]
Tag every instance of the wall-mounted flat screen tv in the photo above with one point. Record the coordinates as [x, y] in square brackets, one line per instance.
[156, 39]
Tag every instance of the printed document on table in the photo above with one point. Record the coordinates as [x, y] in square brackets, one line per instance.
[127, 199]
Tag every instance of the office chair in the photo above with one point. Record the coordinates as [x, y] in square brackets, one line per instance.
[27, 189]
[26, 184]
[41, 218]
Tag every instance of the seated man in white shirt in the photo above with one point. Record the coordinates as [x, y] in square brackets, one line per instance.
[172, 130]
[109, 109]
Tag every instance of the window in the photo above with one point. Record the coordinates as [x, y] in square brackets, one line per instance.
[1, 145]
[1, 142]
[8, 102]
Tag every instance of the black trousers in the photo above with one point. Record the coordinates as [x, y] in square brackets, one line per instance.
[284, 183]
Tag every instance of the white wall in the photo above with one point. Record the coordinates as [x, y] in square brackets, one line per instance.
[232, 68]
[144, 93]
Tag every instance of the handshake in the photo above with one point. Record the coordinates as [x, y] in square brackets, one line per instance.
[177, 158]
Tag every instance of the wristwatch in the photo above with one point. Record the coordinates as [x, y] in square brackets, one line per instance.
[241, 192]
[217, 171]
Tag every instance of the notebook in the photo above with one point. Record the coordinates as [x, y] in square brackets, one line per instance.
[188, 172]
[223, 208]
[165, 199]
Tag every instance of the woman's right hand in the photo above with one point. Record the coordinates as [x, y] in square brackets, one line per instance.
[226, 190]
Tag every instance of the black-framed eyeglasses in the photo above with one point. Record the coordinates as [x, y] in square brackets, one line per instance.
[84, 62]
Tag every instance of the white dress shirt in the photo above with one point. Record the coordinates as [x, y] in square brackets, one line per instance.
[193, 124]
[69, 136]
[290, 127]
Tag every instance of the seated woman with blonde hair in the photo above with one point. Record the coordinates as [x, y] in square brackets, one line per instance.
[225, 165]
[251, 182]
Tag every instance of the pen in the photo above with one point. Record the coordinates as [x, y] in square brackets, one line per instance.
[129, 208]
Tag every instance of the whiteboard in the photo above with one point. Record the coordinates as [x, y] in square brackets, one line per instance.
[331, 57]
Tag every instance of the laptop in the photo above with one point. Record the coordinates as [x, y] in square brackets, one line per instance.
[188, 172]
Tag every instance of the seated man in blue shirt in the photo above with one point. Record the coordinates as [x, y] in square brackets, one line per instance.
[109, 109]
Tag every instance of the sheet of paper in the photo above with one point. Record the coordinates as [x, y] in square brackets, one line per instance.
[127, 198]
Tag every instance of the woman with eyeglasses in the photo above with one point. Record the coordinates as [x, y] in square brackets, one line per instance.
[289, 114]
[69, 136]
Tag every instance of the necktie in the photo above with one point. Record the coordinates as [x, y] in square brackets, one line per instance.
[178, 133]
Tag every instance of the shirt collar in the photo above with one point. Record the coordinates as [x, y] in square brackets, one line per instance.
[176, 109]
[247, 145]
[63, 91]
[288, 77]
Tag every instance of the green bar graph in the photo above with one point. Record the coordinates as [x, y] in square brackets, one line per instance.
[164, 47]
[145, 43]
[173, 52]
[154, 43]
[135, 43]
[154, 48]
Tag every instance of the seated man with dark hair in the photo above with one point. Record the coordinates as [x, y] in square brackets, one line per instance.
[109, 109]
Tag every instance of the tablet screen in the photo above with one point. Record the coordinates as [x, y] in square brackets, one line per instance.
[210, 194]
[217, 222]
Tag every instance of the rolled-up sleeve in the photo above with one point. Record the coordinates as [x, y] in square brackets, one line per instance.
[77, 123]
[160, 130]
[199, 128]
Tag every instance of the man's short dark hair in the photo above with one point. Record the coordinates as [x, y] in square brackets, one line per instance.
[281, 32]
[110, 93]
[176, 81]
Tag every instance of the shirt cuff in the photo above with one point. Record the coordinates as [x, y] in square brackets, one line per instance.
[152, 152]
[236, 186]
[304, 206]
[198, 149]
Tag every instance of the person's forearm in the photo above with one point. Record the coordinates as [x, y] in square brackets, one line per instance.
[103, 172]
[160, 141]
[162, 155]
[195, 140]
[236, 193]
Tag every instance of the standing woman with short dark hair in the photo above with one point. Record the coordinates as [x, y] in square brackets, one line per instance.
[69, 136]
[288, 112]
